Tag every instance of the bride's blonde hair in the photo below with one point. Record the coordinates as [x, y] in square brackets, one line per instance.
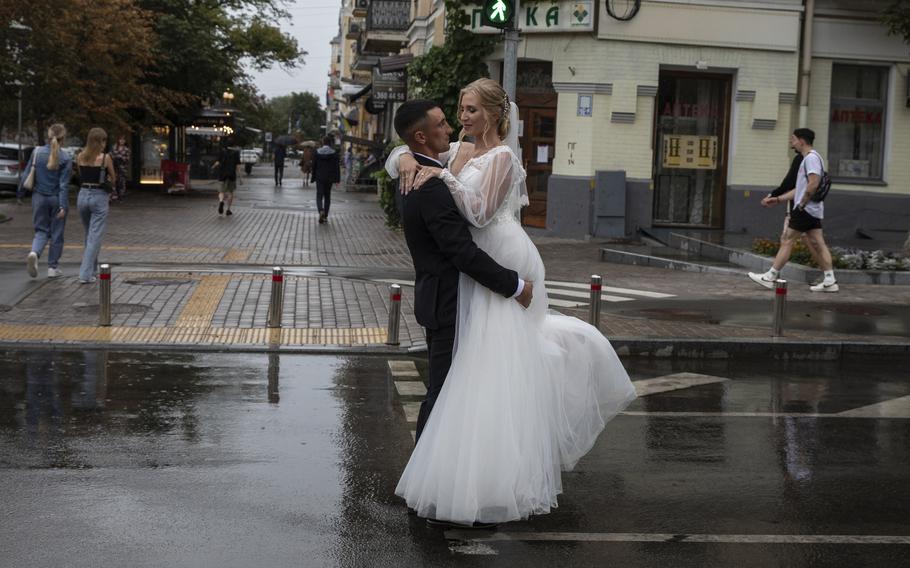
[493, 101]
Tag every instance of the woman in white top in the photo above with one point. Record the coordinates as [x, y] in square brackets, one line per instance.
[528, 391]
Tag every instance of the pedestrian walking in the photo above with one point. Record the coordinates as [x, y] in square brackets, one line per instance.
[306, 165]
[280, 155]
[97, 180]
[326, 171]
[121, 154]
[228, 163]
[50, 168]
[774, 198]
[806, 217]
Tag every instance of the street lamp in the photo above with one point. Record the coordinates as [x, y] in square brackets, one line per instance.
[228, 97]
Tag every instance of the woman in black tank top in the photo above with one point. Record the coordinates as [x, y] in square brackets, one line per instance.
[97, 176]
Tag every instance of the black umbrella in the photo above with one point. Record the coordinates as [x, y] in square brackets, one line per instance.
[285, 140]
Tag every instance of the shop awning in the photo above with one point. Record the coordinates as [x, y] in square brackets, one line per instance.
[395, 62]
[360, 93]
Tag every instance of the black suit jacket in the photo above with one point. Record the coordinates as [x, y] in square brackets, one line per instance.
[441, 246]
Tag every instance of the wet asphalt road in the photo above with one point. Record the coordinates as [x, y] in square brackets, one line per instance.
[144, 459]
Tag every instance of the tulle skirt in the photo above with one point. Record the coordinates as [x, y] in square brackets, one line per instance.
[527, 395]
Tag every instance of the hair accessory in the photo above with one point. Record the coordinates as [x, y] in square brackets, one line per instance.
[505, 106]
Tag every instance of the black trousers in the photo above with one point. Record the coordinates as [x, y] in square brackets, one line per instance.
[279, 173]
[323, 196]
[440, 344]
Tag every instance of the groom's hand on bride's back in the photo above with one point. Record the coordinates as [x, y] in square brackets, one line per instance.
[526, 295]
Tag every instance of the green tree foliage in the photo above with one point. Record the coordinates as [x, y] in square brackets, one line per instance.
[440, 74]
[123, 63]
[203, 45]
[302, 111]
[897, 17]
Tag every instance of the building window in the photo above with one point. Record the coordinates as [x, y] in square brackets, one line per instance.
[857, 129]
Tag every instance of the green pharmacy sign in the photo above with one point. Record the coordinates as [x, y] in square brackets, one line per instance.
[498, 13]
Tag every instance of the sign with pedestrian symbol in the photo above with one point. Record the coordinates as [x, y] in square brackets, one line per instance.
[498, 13]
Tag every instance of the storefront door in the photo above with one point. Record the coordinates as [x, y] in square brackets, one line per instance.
[537, 148]
[690, 157]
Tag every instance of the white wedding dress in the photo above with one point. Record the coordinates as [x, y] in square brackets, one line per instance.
[529, 391]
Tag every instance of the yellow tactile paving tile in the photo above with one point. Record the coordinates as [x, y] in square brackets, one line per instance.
[202, 304]
[193, 335]
[237, 255]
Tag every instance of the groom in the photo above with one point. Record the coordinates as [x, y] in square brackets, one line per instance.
[441, 246]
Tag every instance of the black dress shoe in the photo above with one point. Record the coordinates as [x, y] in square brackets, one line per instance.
[478, 526]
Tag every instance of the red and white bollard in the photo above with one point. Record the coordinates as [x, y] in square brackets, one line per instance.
[594, 308]
[780, 307]
[104, 300]
[394, 314]
[276, 301]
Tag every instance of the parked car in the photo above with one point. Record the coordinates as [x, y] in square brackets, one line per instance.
[10, 168]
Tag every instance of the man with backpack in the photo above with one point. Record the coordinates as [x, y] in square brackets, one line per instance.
[812, 185]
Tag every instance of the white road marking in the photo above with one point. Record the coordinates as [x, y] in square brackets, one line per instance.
[472, 537]
[674, 382]
[472, 549]
[586, 295]
[627, 291]
[411, 410]
[403, 370]
[563, 303]
[410, 388]
[393, 281]
[894, 408]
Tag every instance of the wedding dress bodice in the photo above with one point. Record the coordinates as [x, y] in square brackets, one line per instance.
[489, 188]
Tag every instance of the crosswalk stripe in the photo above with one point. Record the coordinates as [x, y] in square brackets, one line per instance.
[564, 303]
[410, 388]
[411, 410]
[675, 538]
[673, 382]
[586, 296]
[894, 408]
[628, 291]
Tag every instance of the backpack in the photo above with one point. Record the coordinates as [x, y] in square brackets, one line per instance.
[824, 182]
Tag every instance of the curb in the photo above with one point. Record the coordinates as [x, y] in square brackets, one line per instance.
[748, 348]
[643, 347]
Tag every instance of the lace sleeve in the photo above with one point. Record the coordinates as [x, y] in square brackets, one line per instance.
[480, 200]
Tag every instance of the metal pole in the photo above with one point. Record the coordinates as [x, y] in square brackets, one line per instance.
[394, 314]
[780, 305]
[510, 58]
[276, 300]
[594, 308]
[19, 133]
[104, 304]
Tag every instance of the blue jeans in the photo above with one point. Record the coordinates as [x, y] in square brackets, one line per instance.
[93, 206]
[48, 229]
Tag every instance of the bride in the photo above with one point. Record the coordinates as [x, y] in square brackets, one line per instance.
[528, 391]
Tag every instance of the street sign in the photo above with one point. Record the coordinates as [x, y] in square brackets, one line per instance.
[389, 86]
[538, 16]
[499, 13]
[268, 136]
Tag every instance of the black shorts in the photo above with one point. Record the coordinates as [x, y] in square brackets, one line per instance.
[804, 222]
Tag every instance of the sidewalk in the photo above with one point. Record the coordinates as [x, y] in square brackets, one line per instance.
[186, 277]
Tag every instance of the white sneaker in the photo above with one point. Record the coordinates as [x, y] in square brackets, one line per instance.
[825, 287]
[54, 272]
[762, 279]
[90, 281]
[32, 264]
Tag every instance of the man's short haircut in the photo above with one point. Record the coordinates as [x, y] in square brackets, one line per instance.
[410, 116]
[328, 140]
[805, 135]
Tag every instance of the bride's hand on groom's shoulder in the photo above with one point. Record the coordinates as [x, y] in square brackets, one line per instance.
[424, 174]
[526, 295]
[407, 171]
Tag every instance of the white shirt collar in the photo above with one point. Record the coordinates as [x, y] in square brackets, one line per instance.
[441, 165]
